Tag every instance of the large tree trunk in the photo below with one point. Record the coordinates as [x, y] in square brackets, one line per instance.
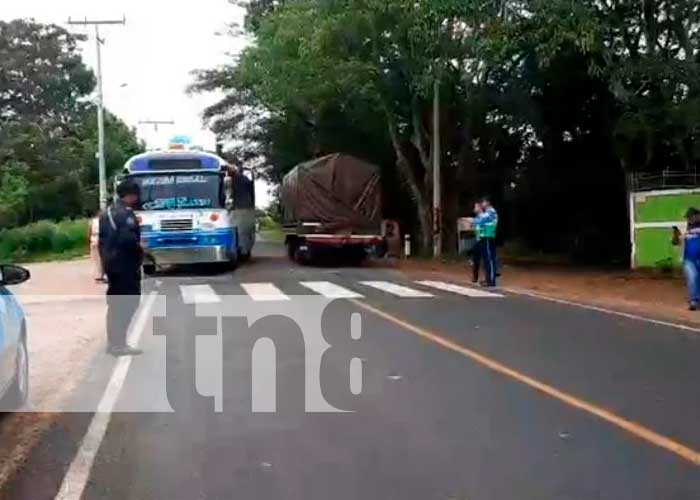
[416, 187]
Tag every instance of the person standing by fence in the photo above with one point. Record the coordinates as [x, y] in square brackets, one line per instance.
[487, 224]
[691, 255]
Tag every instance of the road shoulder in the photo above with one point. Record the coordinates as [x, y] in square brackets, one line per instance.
[654, 296]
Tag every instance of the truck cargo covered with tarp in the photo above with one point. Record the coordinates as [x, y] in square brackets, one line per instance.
[332, 206]
[340, 192]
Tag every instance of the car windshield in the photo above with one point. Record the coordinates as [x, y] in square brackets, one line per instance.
[179, 191]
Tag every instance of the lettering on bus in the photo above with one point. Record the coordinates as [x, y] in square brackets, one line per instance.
[167, 180]
[178, 202]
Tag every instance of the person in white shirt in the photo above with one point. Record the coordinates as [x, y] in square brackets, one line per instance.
[94, 237]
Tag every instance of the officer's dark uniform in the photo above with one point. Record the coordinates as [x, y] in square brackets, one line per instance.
[120, 246]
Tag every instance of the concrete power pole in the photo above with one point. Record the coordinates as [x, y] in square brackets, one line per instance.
[437, 178]
[100, 103]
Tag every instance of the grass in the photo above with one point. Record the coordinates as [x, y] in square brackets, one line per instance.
[275, 235]
[44, 241]
[269, 229]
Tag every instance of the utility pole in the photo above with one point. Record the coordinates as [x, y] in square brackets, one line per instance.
[437, 184]
[155, 123]
[100, 102]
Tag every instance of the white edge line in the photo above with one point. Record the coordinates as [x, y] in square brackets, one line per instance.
[680, 326]
[76, 478]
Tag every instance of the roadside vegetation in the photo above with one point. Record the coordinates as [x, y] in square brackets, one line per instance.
[268, 228]
[44, 240]
[48, 127]
[549, 106]
[48, 139]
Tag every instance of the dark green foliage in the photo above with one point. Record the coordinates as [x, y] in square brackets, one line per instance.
[545, 104]
[43, 238]
[48, 135]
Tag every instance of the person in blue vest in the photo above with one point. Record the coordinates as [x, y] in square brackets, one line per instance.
[691, 255]
[487, 226]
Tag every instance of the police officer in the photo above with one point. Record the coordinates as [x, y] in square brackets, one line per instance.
[120, 247]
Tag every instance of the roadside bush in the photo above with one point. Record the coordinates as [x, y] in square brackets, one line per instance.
[43, 239]
[267, 223]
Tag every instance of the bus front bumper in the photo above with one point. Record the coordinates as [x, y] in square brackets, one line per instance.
[189, 255]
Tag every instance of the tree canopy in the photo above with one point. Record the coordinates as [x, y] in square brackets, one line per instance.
[545, 104]
[48, 130]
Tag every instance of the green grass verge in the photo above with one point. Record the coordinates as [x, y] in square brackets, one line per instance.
[44, 240]
[275, 235]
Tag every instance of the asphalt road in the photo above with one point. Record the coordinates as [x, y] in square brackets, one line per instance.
[462, 397]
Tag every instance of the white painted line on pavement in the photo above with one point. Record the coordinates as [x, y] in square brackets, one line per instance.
[330, 290]
[78, 473]
[199, 294]
[637, 317]
[460, 290]
[398, 290]
[263, 292]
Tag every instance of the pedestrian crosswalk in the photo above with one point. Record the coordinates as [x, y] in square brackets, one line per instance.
[264, 292]
[398, 290]
[199, 294]
[330, 290]
[271, 292]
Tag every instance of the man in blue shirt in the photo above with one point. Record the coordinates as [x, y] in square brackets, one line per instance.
[691, 255]
[487, 226]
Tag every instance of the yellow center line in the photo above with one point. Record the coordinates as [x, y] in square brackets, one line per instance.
[634, 428]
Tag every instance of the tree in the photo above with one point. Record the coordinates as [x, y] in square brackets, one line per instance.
[541, 101]
[47, 127]
[42, 75]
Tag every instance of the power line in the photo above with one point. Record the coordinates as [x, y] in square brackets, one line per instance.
[155, 123]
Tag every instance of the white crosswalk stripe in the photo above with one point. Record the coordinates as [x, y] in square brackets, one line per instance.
[199, 294]
[330, 290]
[398, 290]
[460, 290]
[263, 292]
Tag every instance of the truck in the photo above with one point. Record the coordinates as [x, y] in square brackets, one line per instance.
[332, 207]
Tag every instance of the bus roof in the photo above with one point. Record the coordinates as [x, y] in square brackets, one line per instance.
[175, 160]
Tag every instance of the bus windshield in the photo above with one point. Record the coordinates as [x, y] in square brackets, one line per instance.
[180, 191]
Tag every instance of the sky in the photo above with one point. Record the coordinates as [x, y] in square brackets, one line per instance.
[147, 63]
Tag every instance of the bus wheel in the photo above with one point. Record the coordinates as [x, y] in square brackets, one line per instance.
[149, 269]
[232, 264]
[243, 257]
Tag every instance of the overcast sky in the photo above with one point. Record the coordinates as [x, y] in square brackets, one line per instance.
[153, 54]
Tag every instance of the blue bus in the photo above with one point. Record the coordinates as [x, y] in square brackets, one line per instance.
[194, 208]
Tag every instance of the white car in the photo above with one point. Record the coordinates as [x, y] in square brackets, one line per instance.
[14, 357]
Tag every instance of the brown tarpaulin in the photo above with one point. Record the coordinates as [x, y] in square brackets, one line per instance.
[340, 191]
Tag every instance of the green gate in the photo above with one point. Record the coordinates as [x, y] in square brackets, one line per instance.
[653, 214]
